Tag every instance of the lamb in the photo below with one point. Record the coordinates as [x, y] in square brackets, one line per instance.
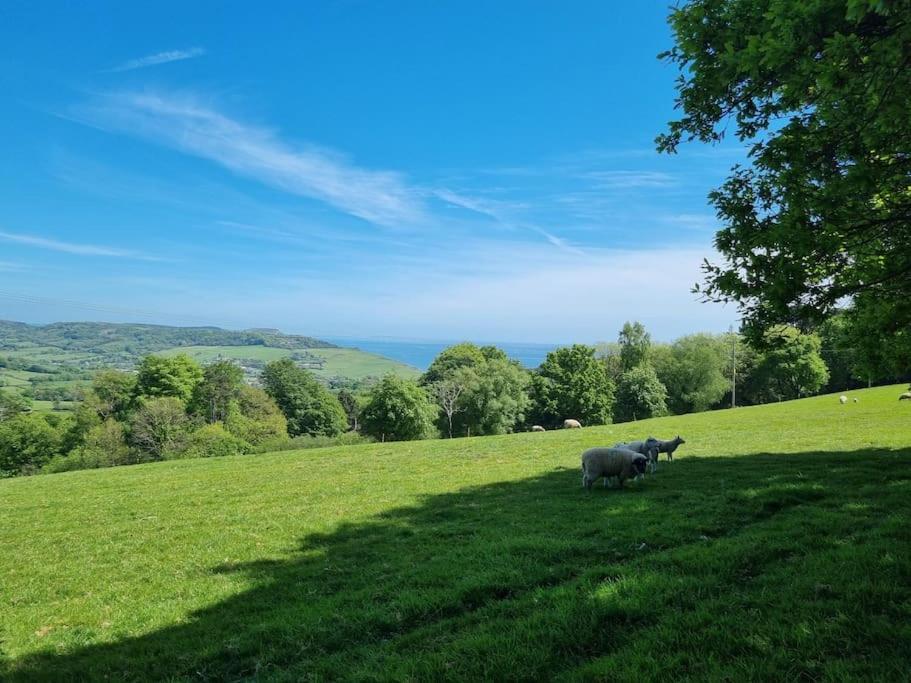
[905, 396]
[669, 446]
[538, 428]
[843, 399]
[648, 448]
[611, 462]
[572, 424]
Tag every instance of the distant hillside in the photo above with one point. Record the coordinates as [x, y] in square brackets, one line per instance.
[141, 339]
[51, 362]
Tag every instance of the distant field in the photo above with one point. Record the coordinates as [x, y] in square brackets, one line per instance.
[350, 363]
[776, 546]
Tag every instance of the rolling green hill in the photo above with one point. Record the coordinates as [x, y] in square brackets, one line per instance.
[64, 355]
[325, 363]
[777, 545]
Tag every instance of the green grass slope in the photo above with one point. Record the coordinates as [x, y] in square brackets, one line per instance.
[349, 363]
[774, 547]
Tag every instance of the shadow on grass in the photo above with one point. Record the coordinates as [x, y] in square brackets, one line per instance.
[750, 567]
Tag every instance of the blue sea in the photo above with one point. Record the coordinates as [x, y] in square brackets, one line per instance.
[421, 353]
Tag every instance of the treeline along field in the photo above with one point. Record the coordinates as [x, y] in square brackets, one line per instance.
[173, 407]
[777, 541]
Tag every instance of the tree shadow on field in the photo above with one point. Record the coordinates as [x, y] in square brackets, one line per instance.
[535, 579]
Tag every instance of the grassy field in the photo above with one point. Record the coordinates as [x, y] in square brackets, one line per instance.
[776, 546]
[349, 363]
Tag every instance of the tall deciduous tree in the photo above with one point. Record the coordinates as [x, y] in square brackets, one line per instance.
[640, 395]
[398, 410]
[308, 406]
[571, 383]
[174, 376]
[221, 384]
[822, 210]
[160, 427]
[792, 366]
[634, 342]
[692, 370]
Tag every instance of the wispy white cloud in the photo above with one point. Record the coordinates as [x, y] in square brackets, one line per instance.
[73, 247]
[159, 58]
[11, 267]
[380, 197]
[626, 179]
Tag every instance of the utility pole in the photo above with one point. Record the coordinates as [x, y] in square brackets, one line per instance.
[733, 367]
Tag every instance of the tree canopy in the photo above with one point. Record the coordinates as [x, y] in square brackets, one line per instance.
[572, 383]
[308, 406]
[397, 410]
[822, 211]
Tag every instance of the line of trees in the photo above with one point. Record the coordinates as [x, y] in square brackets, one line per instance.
[171, 407]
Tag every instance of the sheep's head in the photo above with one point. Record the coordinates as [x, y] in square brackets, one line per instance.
[639, 464]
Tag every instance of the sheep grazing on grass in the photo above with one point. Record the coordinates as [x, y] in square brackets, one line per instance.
[611, 462]
[842, 399]
[648, 448]
[669, 446]
[572, 424]
[905, 396]
[855, 400]
[538, 428]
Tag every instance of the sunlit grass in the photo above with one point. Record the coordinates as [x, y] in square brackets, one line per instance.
[775, 546]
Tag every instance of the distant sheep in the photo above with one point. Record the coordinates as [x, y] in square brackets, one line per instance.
[538, 428]
[905, 396]
[572, 424]
[648, 448]
[611, 462]
[842, 399]
[855, 400]
[670, 446]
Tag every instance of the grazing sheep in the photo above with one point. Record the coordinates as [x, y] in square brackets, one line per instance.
[648, 448]
[538, 428]
[905, 396]
[572, 424]
[611, 462]
[669, 446]
[855, 400]
[843, 399]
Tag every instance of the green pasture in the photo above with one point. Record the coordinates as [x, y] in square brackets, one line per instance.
[776, 546]
[350, 363]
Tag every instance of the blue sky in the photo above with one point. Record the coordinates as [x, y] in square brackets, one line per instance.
[444, 170]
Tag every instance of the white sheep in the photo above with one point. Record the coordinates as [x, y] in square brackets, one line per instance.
[572, 424]
[611, 462]
[538, 428]
[648, 448]
[855, 400]
[669, 446]
[843, 399]
[905, 396]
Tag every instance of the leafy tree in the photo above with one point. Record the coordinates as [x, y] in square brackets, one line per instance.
[160, 427]
[838, 353]
[491, 390]
[213, 440]
[822, 211]
[12, 405]
[175, 376]
[308, 406]
[397, 410]
[449, 360]
[351, 406]
[609, 354]
[634, 345]
[640, 395]
[494, 397]
[114, 391]
[882, 350]
[221, 383]
[255, 418]
[692, 371]
[792, 367]
[27, 441]
[571, 383]
[104, 445]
